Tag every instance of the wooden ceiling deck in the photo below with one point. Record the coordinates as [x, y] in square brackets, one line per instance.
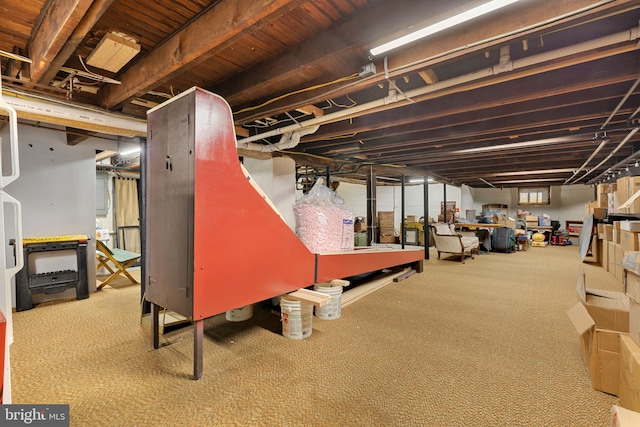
[538, 92]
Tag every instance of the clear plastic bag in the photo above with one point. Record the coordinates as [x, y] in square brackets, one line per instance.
[324, 221]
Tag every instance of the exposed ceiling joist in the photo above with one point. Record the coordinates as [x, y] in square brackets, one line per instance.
[57, 23]
[192, 44]
[96, 10]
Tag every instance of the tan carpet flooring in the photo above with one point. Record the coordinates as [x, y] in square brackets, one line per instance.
[487, 343]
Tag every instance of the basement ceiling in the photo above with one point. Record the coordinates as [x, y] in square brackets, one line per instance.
[541, 92]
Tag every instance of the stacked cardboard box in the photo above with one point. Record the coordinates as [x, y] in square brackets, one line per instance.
[629, 233]
[386, 227]
[627, 187]
[532, 220]
[600, 317]
[630, 345]
[598, 212]
[603, 191]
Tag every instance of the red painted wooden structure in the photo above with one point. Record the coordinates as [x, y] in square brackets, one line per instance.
[213, 243]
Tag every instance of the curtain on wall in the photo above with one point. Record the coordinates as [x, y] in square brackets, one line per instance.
[127, 213]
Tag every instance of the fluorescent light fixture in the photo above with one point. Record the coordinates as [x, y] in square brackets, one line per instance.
[415, 180]
[519, 181]
[131, 151]
[516, 145]
[533, 172]
[442, 25]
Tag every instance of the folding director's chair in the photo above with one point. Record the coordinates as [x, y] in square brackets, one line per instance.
[120, 259]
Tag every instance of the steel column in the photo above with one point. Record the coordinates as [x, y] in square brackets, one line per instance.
[427, 229]
[444, 196]
[402, 215]
[372, 222]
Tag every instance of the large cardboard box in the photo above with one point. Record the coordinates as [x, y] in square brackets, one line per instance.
[623, 417]
[605, 254]
[629, 240]
[612, 257]
[634, 320]
[603, 194]
[618, 270]
[615, 234]
[632, 285]
[592, 208]
[608, 232]
[626, 188]
[600, 350]
[630, 225]
[608, 309]
[600, 317]
[629, 389]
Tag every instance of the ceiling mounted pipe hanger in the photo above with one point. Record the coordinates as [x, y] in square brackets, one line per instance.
[511, 65]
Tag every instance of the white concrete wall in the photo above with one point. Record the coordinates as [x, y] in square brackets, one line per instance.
[277, 178]
[389, 198]
[57, 191]
[567, 201]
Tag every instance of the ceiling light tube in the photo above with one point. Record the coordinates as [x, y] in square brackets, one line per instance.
[131, 151]
[442, 25]
[523, 144]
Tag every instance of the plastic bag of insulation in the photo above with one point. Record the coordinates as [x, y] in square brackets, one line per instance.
[324, 221]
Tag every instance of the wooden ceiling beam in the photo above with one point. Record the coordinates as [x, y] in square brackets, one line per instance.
[56, 24]
[96, 10]
[192, 44]
[441, 48]
[75, 136]
[603, 75]
[343, 39]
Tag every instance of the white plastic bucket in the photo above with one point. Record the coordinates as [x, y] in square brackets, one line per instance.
[333, 308]
[296, 318]
[240, 314]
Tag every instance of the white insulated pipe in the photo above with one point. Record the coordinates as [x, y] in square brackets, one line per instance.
[287, 141]
[29, 107]
[511, 65]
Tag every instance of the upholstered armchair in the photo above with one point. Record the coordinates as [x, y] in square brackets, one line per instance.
[448, 241]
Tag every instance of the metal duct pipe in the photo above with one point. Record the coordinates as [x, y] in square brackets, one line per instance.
[511, 65]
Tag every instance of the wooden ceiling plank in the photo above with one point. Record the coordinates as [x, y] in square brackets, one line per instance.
[509, 93]
[194, 43]
[58, 21]
[341, 39]
[535, 17]
[96, 10]
[447, 47]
